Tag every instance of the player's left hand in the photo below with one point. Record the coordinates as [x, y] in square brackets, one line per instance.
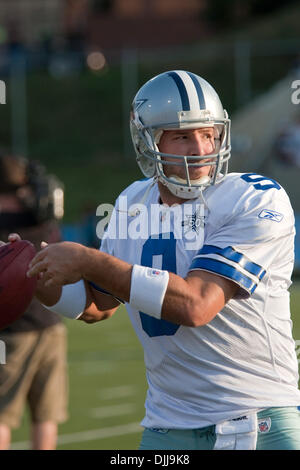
[59, 263]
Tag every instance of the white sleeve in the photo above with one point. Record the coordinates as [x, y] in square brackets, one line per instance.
[259, 234]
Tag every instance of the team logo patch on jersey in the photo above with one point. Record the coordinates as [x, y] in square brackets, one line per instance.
[270, 215]
[264, 425]
[194, 222]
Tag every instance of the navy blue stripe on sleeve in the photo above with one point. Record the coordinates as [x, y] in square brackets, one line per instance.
[226, 270]
[103, 291]
[233, 255]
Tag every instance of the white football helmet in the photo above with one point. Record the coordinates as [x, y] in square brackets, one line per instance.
[179, 100]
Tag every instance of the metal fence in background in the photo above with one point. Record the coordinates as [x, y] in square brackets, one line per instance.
[239, 70]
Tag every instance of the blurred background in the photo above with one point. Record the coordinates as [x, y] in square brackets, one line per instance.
[72, 68]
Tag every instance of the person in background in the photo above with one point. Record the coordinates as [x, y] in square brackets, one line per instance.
[35, 371]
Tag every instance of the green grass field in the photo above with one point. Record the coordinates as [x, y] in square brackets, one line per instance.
[108, 386]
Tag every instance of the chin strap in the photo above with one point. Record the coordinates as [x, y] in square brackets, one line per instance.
[184, 194]
[203, 200]
[175, 193]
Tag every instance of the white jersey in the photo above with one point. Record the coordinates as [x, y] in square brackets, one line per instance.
[244, 359]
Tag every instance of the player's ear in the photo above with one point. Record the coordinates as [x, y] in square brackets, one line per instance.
[43, 245]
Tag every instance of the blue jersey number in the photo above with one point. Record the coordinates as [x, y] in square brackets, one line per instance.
[164, 245]
[255, 180]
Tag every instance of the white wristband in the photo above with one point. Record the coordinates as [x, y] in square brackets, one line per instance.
[148, 289]
[72, 300]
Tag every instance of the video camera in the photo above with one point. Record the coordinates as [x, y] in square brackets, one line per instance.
[41, 195]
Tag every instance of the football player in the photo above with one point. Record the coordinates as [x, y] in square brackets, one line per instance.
[205, 278]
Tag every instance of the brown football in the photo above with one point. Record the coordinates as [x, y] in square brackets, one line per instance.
[16, 289]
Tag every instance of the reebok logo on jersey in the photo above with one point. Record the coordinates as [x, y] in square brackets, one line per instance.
[270, 215]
